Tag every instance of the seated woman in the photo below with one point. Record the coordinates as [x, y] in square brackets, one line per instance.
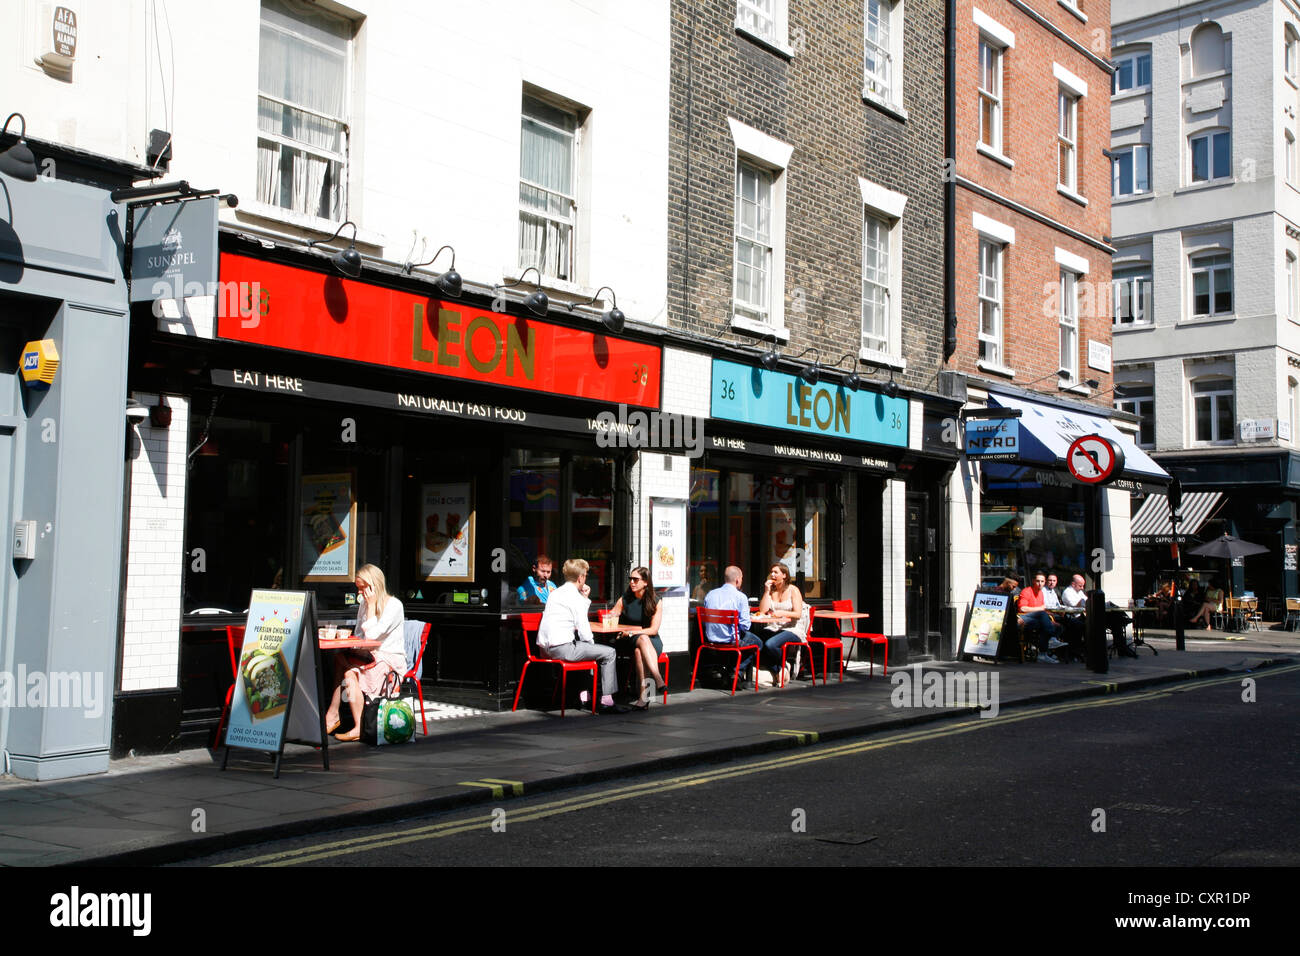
[1210, 604]
[640, 606]
[380, 617]
[782, 600]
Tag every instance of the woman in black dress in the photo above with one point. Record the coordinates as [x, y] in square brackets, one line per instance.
[640, 606]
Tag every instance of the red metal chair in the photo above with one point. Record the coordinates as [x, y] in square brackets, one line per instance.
[732, 619]
[414, 672]
[234, 642]
[827, 644]
[856, 636]
[530, 623]
[663, 669]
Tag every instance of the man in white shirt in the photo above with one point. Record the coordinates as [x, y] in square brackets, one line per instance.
[1076, 594]
[565, 632]
[1051, 598]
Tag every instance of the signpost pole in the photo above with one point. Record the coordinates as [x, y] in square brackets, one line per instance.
[1176, 502]
[1096, 617]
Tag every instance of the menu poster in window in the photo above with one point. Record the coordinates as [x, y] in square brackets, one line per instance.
[668, 554]
[275, 698]
[328, 539]
[984, 623]
[447, 531]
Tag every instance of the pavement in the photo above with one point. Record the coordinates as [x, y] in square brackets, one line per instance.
[158, 809]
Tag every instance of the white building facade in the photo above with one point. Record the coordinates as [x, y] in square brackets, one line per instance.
[1206, 221]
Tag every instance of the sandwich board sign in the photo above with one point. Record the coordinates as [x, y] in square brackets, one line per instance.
[985, 622]
[276, 698]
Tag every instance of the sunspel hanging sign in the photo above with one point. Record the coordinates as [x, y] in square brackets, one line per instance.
[344, 318]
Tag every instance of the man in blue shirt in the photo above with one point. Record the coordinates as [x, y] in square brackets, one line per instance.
[729, 597]
[539, 585]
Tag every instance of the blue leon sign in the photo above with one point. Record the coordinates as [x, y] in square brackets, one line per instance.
[999, 438]
[743, 393]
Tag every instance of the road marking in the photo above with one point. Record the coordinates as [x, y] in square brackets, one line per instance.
[1111, 686]
[516, 786]
[572, 804]
[498, 791]
[805, 736]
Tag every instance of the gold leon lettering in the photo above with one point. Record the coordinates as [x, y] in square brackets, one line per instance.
[480, 343]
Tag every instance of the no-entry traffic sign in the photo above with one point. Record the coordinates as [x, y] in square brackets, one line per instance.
[1094, 460]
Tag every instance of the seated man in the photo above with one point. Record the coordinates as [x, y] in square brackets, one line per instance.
[729, 597]
[539, 585]
[1033, 616]
[1050, 595]
[565, 632]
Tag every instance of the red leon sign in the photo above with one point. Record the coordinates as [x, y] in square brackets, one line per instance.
[328, 315]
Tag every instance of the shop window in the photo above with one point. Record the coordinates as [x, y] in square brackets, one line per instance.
[1132, 72]
[1130, 170]
[1132, 295]
[1019, 540]
[303, 111]
[237, 534]
[740, 518]
[1211, 284]
[1213, 419]
[563, 505]
[548, 203]
[1139, 399]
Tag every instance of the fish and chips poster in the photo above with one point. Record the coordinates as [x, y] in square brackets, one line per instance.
[668, 543]
[328, 528]
[447, 531]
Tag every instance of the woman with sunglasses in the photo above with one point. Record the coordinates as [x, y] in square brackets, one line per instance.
[380, 617]
[640, 607]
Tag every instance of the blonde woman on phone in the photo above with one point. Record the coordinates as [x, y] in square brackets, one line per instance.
[782, 600]
[380, 617]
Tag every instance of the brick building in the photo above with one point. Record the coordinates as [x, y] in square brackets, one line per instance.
[805, 223]
[1031, 285]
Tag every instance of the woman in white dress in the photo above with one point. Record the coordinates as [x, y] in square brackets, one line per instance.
[380, 617]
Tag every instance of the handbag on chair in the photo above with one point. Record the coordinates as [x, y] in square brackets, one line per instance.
[387, 718]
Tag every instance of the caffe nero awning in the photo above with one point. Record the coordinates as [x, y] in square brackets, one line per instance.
[1046, 432]
[1151, 523]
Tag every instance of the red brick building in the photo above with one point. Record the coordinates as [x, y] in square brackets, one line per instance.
[1032, 199]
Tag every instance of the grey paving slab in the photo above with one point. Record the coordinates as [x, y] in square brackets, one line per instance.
[276, 801]
[27, 814]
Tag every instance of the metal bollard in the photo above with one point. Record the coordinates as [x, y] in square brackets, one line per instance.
[1096, 632]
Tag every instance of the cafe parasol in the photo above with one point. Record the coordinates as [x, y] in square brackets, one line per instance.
[1229, 547]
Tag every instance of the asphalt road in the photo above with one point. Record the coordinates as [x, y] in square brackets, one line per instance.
[1183, 775]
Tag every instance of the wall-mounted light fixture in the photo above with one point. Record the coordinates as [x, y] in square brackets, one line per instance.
[613, 319]
[811, 374]
[536, 302]
[853, 381]
[17, 161]
[448, 282]
[891, 387]
[348, 261]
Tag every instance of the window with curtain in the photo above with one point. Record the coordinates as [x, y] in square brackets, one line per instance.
[1132, 72]
[1131, 170]
[548, 206]
[1211, 156]
[304, 59]
[1140, 400]
[1212, 409]
[1212, 284]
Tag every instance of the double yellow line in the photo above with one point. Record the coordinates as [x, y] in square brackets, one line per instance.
[572, 804]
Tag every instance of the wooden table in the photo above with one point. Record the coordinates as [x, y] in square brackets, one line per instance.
[598, 628]
[841, 615]
[348, 644]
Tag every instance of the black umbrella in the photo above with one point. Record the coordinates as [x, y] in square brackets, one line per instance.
[1228, 547]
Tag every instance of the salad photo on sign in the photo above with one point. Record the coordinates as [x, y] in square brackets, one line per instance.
[447, 531]
[328, 527]
[264, 681]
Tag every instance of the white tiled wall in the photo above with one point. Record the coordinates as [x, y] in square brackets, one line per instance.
[151, 643]
[687, 380]
[656, 475]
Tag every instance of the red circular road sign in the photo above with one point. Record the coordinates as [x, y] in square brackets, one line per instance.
[1094, 460]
